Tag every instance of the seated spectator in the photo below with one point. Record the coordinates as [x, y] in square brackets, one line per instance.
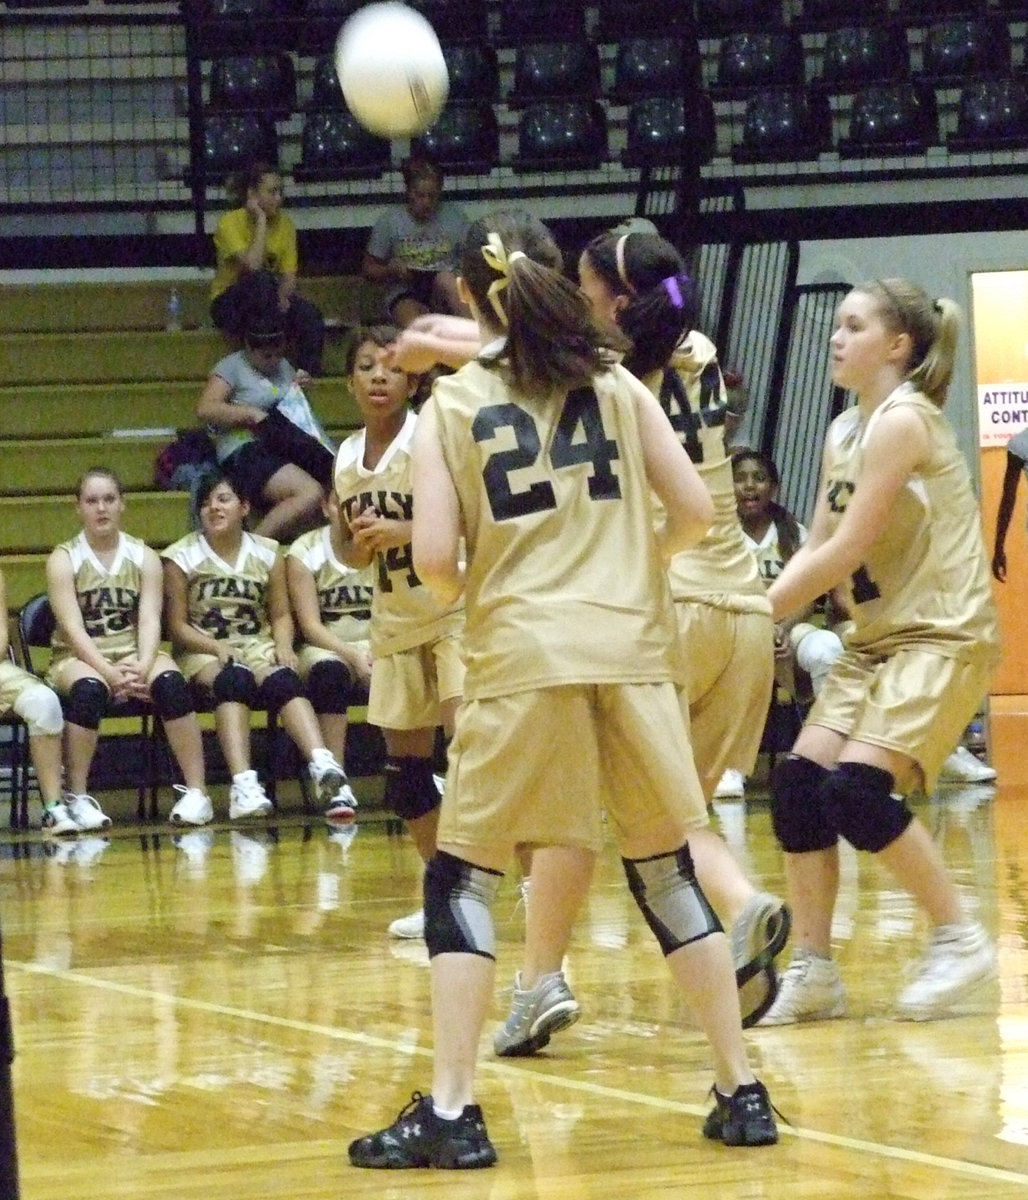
[413, 249]
[232, 635]
[332, 606]
[268, 441]
[105, 591]
[257, 263]
[22, 693]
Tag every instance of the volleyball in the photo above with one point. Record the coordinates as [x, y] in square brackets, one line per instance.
[391, 69]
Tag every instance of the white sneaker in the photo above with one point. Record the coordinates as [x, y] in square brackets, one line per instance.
[732, 786]
[410, 927]
[964, 767]
[86, 813]
[246, 797]
[810, 990]
[958, 959]
[58, 820]
[193, 807]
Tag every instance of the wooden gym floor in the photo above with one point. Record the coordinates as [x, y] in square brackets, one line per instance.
[219, 1017]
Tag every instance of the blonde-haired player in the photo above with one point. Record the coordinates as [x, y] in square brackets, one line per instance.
[105, 590]
[897, 526]
[232, 632]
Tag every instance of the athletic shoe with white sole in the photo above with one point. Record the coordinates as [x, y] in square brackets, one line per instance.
[58, 820]
[959, 958]
[810, 990]
[246, 797]
[964, 767]
[193, 807]
[535, 1014]
[86, 813]
[759, 934]
[336, 796]
[409, 927]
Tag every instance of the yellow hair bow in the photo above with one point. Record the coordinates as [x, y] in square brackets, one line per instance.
[495, 254]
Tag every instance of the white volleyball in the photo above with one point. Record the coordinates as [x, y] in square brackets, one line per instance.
[391, 69]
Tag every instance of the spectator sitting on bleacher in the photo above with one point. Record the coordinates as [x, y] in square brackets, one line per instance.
[267, 439]
[413, 250]
[22, 693]
[331, 602]
[257, 263]
[231, 630]
[105, 591]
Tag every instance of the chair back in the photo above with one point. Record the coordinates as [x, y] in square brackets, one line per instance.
[555, 70]
[465, 138]
[992, 115]
[859, 54]
[234, 141]
[760, 58]
[562, 135]
[654, 66]
[263, 83]
[334, 145]
[892, 118]
[963, 49]
[661, 133]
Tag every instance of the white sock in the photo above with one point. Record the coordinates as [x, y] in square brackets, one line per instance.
[445, 1115]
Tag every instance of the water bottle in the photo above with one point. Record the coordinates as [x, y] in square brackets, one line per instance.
[173, 312]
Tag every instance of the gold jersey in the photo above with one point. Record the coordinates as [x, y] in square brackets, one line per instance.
[925, 583]
[565, 583]
[108, 598]
[226, 600]
[719, 570]
[344, 592]
[404, 613]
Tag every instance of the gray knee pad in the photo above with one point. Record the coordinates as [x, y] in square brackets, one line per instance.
[671, 899]
[280, 688]
[330, 686]
[235, 684]
[40, 709]
[458, 900]
[859, 801]
[170, 695]
[797, 807]
[410, 790]
[86, 703]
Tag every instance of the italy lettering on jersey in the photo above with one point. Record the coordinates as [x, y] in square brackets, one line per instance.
[565, 583]
[344, 593]
[925, 581]
[719, 570]
[226, 600]
[404, 613]
[108, 598]
[768, 554]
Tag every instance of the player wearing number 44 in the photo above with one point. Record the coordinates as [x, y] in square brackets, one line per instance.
[417, 675]
[231, 630]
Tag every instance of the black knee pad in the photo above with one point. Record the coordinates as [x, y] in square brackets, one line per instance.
[281, 686]
[410, 790]
[170, 695]
[86, 703]
[797, 808]
[458, 899]
[235, 684]
[670, 898]
[330, 686]
[859, 801]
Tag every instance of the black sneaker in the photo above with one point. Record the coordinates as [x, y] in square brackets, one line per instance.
[418, 1138]
[745, 1118]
